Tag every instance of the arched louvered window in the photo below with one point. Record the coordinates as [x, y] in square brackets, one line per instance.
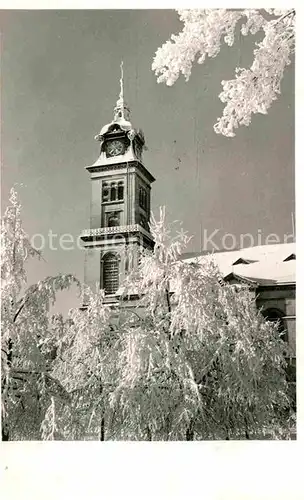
[110, 273]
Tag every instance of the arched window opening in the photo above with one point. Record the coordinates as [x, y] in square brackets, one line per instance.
[276, 316]
[110, 274]
[113, 219]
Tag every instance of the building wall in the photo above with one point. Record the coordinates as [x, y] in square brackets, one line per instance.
[284, 300]
[92, 267]
[95, 219]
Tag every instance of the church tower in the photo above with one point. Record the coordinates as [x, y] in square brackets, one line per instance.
[120, 204]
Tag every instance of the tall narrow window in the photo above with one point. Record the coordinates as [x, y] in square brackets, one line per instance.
[143, 198]
[110, 274]
[105, 192]
[140, 197]
[113, 192]
[120, 191]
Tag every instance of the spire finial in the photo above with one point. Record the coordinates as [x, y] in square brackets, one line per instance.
[121, 96]
[121, 110]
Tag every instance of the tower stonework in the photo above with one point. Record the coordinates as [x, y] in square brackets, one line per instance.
[120, 205]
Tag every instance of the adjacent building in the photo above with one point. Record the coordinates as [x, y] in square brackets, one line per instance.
[270, 272]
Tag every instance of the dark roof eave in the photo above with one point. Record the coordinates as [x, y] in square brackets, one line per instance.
[258, 282]
[241, 279]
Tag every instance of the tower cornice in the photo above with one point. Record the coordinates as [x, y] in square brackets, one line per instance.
[93, 234]
[121, 166]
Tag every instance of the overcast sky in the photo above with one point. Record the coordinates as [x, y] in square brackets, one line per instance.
[60, 82]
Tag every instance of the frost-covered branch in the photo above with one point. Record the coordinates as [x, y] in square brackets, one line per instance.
[208, 362]
[28, 337]
[252, 90]
[192, 360]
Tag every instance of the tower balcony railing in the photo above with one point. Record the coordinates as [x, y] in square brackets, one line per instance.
[101, 231]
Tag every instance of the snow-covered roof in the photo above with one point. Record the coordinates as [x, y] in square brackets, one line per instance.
[125, 125]
[266, 263]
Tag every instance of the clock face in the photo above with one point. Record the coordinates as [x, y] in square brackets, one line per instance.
[115, 148]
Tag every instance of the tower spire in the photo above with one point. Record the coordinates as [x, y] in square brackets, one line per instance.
[121, 81]
[121, 110]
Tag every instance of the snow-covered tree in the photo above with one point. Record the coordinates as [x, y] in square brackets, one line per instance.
[192, 359]
[201, 362]
[85, 366]
[252, 90]
[28, 338]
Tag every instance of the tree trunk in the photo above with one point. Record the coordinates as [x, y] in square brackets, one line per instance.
[168, 299]
[246, 428]
[102, 429]
[9, 358]
[149, 434]
[102, 420]
[189, 434]
[227, 434]
[5, 432]
[9, 352]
